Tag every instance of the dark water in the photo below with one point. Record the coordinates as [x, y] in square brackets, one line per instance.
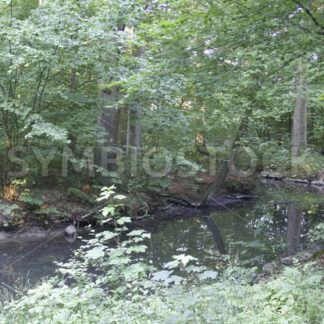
[275, 225]
[33, 259]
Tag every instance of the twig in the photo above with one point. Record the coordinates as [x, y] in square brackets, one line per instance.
[91, 213]
[308, 12]
[20, 231]
[8, 287]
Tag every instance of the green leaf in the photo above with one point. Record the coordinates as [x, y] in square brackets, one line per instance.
[96, 253]
[136, 233]
[123, 220]
[162, 275]
[210, 274]
[108, 210]
[120, 197]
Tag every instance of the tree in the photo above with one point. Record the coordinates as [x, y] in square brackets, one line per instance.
[299, 131]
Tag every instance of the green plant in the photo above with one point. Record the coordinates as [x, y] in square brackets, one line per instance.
[10, 215]
[287, 299]
[31, 202]
[316, 235]
[308, 165]
[48, 210]
[80, 195]
[188, 269]
[116, 262]
[142, 180]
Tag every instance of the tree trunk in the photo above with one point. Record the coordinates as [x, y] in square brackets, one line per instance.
[137, 126]
[220, 178]
[135, 139]
[109, 118]
[134, 133]
[128, 133]
[109, 122]
[299, 128]
[138, 132]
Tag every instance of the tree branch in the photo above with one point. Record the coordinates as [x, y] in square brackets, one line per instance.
[44, 86]
[38, 86]
[308, 12]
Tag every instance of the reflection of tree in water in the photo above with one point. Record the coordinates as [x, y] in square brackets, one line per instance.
[264, 228]
[195, 236]
[295, 217]
[205, 215]
[176, 237]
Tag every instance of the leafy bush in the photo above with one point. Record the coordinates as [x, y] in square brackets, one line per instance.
[294, 297]
[31, 202]
[275, 158]
[9, 214]
[308, 165]
[316, 235]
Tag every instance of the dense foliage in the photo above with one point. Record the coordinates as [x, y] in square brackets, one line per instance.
[292, 298]
[186, 71]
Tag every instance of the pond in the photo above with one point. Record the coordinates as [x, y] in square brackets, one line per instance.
[273, 226]
[260, 231]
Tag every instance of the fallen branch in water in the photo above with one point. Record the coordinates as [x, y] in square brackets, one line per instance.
[180, 200]
[90, 213]
[20, 231]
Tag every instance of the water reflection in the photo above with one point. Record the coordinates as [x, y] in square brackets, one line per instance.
[274, 227]
[206, 217]
[295, 218]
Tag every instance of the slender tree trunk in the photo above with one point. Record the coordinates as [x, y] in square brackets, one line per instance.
[135, 139]
[299, 128]
[128, 134]
[109, 118]
[220, 178]
[109, 122]
[138, 132]
[134, 132]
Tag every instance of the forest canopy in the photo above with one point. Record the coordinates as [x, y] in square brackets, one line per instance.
[82, 75]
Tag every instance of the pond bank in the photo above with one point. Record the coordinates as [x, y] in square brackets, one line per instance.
[60, 209]
[171, 211]
[278, 176]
